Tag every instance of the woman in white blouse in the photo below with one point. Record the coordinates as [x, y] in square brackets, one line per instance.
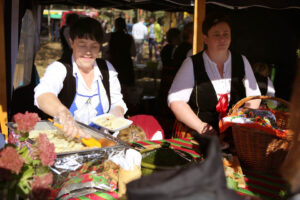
[210, 82]
[80, 86]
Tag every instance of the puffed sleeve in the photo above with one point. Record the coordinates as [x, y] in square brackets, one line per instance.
[250, 83]
[183, 83]
[52, 81]
[115, 88]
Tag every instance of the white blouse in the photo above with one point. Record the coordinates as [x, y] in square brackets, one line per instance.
[184, 82]
[52, 82]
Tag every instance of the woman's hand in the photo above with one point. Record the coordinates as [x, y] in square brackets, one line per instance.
[51, 105]
[117, 111]
[206, 129]
[71, 129]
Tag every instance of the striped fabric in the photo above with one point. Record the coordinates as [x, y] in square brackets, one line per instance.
[180, 130]
[98, 196]
[258, 185]
[261, 186]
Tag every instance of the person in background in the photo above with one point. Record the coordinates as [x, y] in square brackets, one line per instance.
[121, 51]
[65, 34]
[167, 52]
[139, 33]
[168, 69]
[81, 86]
[210, 82]
[184, 49]
[261, 73]
[121, 54]
[154, 36]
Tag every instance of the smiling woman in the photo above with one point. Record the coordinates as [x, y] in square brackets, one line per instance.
[80, 86]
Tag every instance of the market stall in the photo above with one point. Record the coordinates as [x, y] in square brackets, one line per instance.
[262, 185]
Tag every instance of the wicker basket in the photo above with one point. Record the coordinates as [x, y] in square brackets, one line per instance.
[257, 149]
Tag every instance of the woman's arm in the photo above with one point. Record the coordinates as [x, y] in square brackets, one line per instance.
[186, 115]
[251, 86]
[118, 105]
[179, 95]
[46, 98]
[271, 89]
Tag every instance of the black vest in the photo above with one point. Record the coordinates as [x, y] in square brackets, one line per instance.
[67, 94]
[204, 99]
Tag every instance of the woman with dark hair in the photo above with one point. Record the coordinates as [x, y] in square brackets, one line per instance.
[80, 86]
[210, 82]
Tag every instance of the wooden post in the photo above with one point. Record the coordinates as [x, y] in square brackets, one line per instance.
[3, 88]
[199, 15]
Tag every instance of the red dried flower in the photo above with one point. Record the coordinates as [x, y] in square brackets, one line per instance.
[41, 187]
[26, 122]
[42, 182]
[46, 150]
[13, 138]
[10, 159]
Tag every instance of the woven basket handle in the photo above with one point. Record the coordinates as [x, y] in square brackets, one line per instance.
[244, 100]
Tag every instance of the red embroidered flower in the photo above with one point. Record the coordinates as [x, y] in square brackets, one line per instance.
[10, 159]
[26, 122]
[46, 150]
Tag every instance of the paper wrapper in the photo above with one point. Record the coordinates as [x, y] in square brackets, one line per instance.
[89, 179]
[126, 176]
[96, 172]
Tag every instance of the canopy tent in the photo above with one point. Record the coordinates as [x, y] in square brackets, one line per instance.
[12, 11]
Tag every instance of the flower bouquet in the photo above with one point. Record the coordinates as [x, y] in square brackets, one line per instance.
[25, 172]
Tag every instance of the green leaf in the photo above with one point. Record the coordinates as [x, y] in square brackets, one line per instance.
[42, 170]
[231, 183]
[24, 136]
[24, 183]
[23, 150]
[36, 162]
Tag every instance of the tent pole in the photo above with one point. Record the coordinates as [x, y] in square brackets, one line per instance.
[199, 15]
[3, 88]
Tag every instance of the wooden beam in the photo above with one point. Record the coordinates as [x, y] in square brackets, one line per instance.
[199, 15]
[3, 89]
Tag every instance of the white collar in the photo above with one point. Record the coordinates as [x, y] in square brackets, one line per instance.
[97, 72]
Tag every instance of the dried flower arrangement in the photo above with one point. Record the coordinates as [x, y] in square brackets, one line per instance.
[25, 172]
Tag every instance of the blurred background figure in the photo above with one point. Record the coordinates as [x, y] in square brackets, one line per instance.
[167, 76]
[184, 50]
[54, 28]
[167, 52]
[262, 74]
[154, 37]
[121, 51]
[104, 25]
[139, 33]
[65, 34]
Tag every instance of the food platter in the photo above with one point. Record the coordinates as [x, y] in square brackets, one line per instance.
[48, 127]
[111, 123]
